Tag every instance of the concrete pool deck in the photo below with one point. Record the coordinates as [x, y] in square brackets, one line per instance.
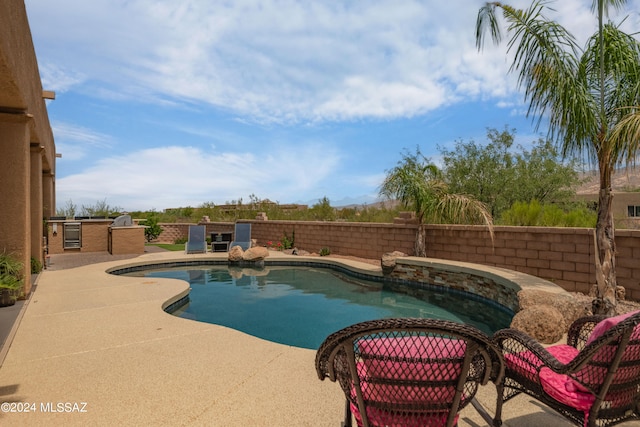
[102, 345]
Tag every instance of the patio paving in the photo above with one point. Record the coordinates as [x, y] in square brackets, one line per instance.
[103, 348]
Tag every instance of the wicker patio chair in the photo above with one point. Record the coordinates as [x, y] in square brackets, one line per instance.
[593, 380]
[409, 372]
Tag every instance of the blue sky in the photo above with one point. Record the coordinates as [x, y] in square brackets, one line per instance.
[163, 103]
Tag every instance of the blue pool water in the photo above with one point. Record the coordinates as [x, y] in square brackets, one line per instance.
[301, 306]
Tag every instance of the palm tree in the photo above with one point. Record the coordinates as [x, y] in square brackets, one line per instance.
[590, 97]
[417, 184]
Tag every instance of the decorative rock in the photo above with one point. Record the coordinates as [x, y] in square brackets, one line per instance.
[570, 306]
[235, 254]
[257, 253]
[296, 251]
[388, 261]
[542, 322]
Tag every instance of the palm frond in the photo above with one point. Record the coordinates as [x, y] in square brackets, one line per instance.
[463, 209]
[604, 4]
[487, 21]
[625, 137]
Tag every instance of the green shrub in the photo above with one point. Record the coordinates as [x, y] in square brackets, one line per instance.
[11, 271]
[288, 243]
[534, 214]
[325, 251]
[181, 240]
[36, 266]
[153, 230]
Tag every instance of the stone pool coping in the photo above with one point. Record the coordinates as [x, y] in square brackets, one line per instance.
[90, 337]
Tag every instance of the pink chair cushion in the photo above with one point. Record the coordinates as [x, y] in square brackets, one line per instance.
[527, 362]
[561, 387]
[380, 418]
[604, 325]
[410, 358]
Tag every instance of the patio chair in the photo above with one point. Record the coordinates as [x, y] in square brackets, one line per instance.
[242, 236]
[409, 372]
[592, 380]
[197, 242]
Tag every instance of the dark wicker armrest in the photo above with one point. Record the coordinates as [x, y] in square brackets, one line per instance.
[516, 344]
[580, 330]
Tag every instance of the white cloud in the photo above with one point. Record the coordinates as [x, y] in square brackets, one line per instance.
[179, 176]
[58, 79]
[74, 142]
[283, 60]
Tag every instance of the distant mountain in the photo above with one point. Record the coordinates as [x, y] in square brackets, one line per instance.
[388, 204]
[624, 179]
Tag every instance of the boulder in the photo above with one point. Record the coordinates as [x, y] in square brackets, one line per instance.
[235, 254]
[256, 253]
[572, 306]
[388, 261]
[543, 322]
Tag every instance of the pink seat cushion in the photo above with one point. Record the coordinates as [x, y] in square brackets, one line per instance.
[381, 418]
[561, 387]
[604, 325]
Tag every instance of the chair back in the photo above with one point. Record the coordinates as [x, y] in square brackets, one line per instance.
[242, 236]
[197, 241]
[612, 368]
[409, 372]
[242, 232]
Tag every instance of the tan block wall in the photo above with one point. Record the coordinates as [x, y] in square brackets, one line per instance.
[173, 231]
[565, 256]
[365, 240]
[127, 240]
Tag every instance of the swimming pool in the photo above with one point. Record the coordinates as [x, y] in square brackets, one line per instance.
[301, 306]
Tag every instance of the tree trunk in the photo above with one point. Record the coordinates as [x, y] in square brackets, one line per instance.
[420, 248]
[605, 248]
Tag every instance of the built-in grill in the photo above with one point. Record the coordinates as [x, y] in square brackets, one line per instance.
[72, 232]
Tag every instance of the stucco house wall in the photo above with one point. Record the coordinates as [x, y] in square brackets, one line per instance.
[27, 149]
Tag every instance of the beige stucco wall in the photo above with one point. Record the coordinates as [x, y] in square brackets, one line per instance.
[27, 149]
[15, 226]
